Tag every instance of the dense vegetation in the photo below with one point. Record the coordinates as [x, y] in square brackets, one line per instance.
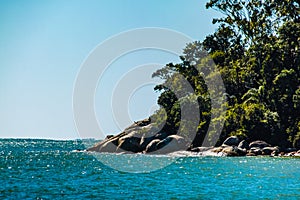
[256, 50]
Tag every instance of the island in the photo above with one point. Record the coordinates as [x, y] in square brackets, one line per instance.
[256, 51]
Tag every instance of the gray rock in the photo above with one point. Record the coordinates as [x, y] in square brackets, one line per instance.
[139, 125]
[244, 145]
[270, 150]
[289, 150]
[232, 141]
[108, 145]
[233, 151]
[161, 135]
[256, 151]
[130, 142]
[274, 153]
[259, 144]
[149, 134]
[217, 149]
[230, 151]
[171, 144]
[152, 146]
[297, 154]
[290, 154]
[201, 149]
[250, 154]
[145, 141]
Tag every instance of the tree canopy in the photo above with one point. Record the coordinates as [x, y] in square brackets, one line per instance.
[256, 50]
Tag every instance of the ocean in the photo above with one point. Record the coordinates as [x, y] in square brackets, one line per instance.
[48, 169]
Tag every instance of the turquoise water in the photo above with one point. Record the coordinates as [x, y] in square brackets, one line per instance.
[45, 169]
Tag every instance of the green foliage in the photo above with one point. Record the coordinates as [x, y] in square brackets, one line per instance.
[256, 50]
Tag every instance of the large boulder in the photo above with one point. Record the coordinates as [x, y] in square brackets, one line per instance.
[270, 150]
[108, 145]
[130, 142]
[138, 136]
[152, 146]
[149, 133]
[259, 144]
[171, 144]
[217, 149]
[145, 140]
[232, 141]
[201, 149]
[297, 153]
[138, 125]
[244, 145]
[233, 151]
[142, 136]
[255, 151]
[289, 150]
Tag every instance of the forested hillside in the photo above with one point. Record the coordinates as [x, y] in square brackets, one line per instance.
[256, 50]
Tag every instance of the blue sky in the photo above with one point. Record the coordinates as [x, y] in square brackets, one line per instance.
[44, 43]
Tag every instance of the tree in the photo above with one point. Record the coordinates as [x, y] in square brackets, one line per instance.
[256, 50]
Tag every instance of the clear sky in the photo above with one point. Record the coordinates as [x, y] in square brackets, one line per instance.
[44, 43]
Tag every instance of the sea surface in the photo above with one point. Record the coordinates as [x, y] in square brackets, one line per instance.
[47, 169]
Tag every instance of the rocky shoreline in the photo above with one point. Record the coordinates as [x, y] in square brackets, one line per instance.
[233, 147]
[144, 137]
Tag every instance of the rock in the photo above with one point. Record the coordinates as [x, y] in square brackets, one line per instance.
[143, 122]
[244, 145]
[289, 150]
[108, 137]
[270, 150]
[145, 141]
[297, 154]
[256, 151]
[274, 153]
[230, 151]
[233, 151]
[152, 146]
[259, 144]
[241, 152]
[139, 125]
[149, 134]
[250, 154]
[171, 144]
[201, 149]
[161, 135]
[130, 142]
[232, 141]
[217, 149]
[290, 154]
[108, 145]
[281, 154]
